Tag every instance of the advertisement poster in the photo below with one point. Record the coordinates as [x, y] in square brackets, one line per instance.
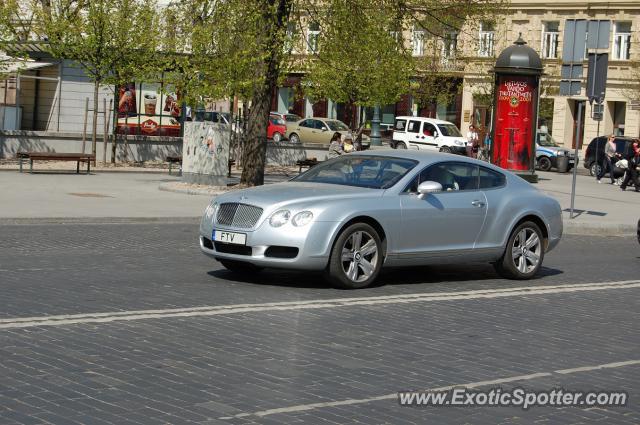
[147, 109]
[514, 131]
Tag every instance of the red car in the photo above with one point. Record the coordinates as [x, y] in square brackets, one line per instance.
[276, 128]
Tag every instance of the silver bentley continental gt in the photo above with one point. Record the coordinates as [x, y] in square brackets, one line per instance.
[354, 214]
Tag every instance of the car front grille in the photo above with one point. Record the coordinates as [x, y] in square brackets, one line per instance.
[238, 215]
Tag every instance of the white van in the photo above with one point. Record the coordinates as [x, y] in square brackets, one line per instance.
[427, 133]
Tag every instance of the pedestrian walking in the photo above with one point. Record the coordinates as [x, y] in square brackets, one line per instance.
[633, 160]
[610, 158]
[472, 141]
[335, 145]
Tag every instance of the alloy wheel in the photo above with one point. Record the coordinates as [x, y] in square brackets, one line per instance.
[526, 250]
[359, 256]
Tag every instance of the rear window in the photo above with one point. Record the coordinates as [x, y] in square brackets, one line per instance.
[400, 125]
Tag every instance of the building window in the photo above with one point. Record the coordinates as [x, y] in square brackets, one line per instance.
[449, 45]
[622, 41]
[487, 36]
[418, 42]
[290, 38]
[312, 37]
[550, 37]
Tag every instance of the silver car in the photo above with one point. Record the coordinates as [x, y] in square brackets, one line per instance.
[354, 214]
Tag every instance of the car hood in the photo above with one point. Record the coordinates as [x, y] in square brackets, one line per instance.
[281, 194]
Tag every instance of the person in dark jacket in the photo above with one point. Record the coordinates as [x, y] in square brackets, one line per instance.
[610, 156]
[633, 159]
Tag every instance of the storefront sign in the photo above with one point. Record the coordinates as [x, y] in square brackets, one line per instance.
[147, 109]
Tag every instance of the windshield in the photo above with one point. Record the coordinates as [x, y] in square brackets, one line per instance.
[292, 117]
[449, 130]
[337, 126]
[374, 172]
[546, 141]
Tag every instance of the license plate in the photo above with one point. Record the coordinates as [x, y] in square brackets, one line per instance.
[229, 237]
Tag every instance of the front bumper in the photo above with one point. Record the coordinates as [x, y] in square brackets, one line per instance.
[459, 150]
[313, 243]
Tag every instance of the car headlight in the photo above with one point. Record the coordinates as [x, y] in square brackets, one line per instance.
[302, 218]
[210, 211]
[561, 153]
[458, 143]
[279, 218]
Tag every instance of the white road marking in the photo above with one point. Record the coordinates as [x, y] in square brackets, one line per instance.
[70, 319]
[517, 378]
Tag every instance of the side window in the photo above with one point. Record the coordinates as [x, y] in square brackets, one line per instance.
[453, 176]
[306, 123]
[320, 125]
[413, 127]
[620, 146]
[400, 125]
[429, 129]
[490, 178]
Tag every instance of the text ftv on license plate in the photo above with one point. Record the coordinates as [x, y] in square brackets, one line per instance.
[229, 237]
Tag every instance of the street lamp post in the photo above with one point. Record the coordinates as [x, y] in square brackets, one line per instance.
[375, 127]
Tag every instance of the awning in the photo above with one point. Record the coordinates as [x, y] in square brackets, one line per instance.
[12, 66]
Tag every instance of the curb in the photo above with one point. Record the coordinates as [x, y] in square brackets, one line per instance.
[180, 187]
[596, 229]
[31, 221]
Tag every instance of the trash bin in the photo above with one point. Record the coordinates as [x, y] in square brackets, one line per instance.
[563, 163]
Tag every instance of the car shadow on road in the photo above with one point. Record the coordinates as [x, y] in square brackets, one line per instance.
[388, 277]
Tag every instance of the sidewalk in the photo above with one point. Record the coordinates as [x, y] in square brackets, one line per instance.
[599, 208]
[113, 197]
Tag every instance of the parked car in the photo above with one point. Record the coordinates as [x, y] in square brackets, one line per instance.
[289, 120]
[548, 151]
[427, 133]
[596, 148]
[318, 130]
[276, 128]
[352, 215]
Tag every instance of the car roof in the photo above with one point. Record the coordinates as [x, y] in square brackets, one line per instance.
[424, 156]
[429, 120]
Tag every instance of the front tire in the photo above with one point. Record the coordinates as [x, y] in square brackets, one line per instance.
[356, 257]
[524, 253]
[294, 138]
[544, 163]
[240, 266]
[277, 137]
[445, 149]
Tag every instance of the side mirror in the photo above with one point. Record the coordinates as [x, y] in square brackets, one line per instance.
[435, 135]
[428, 187]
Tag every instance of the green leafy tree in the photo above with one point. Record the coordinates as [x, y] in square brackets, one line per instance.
[113, 41]
[244, 47]
[361, 58]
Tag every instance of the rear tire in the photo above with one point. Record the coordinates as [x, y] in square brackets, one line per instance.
[356, 257]
[594, 169]
[401, 145]
[294, 138]
[277, 137]
[524, 253]
[240, 266]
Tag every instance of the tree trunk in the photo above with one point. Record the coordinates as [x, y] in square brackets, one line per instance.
[255, 143]
[94, 124]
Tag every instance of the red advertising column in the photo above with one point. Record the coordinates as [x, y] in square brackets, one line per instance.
[515, 118]
[514, 125]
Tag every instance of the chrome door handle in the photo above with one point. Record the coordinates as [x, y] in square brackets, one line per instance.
[477, 203]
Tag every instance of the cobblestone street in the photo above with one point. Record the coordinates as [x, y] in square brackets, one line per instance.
[129, 323]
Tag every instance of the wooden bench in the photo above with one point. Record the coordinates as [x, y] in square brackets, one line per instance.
[174, 159]
[306, 163]
[56, 156]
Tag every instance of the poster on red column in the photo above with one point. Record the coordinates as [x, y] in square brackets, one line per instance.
[146, 109]
[515, 118]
